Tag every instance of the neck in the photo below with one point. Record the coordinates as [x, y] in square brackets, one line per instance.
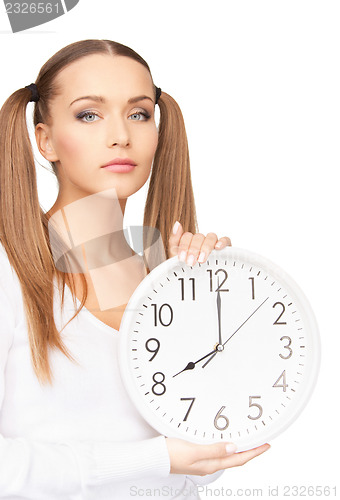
[92, 228]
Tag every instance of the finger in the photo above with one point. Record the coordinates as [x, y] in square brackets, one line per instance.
[194, 248]
[235, 460]
[176, 234]
[207, 247]
[213, 451]
[243, 457]
[223, 242]
[184, 245]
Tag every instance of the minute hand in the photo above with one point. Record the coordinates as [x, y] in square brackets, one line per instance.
[218, 302]
[224, 343]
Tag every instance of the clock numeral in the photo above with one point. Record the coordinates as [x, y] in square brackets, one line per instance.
[161, 313]
[182, 287]
[257, 406]
[252, 288]
[277, 322]
[219, 284]
[284, 385]
[155, 351]
[160, 383]
[192, 402]
[287, 347]
[223, 417]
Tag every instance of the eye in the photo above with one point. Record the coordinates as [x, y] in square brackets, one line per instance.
[86, 114]
[137, 116]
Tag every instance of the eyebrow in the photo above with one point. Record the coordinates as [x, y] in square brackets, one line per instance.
[103, 100]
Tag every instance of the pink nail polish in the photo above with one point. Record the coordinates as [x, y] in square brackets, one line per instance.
[201, 257]
[230, 448]
[176, 226]
[182, 256]
[190, 260]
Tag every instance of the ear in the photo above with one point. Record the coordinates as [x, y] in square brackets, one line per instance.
[44, 142]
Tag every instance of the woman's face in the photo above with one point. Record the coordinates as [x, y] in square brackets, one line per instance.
[85, 134]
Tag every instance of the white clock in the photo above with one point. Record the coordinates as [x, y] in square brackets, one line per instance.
[227, 350]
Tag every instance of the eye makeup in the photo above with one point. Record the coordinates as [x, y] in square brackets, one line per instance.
[84, 114]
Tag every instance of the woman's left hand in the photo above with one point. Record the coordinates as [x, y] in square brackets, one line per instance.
[192, 248]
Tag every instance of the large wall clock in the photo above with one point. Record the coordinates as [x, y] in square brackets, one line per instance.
[227, 350]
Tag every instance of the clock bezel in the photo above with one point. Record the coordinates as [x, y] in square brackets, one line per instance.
[270, 431]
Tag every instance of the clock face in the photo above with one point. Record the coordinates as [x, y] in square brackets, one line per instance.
[227, 350]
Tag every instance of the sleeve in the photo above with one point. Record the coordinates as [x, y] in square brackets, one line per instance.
[37, 470]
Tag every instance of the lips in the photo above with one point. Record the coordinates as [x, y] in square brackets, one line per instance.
[120, 161]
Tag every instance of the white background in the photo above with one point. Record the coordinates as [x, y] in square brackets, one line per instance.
[258, 83]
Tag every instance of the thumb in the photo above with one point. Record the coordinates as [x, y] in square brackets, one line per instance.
[215, 450]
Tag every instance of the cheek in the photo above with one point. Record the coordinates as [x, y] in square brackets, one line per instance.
[69, 146]
[150, 145]
[155, 144]
[147, 145]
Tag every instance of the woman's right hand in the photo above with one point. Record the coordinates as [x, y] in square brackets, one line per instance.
[202, 459]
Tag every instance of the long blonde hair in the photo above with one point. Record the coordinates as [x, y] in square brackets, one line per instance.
[24, 230]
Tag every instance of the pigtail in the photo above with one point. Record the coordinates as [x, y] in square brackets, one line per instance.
[170, 196]
[23, 231]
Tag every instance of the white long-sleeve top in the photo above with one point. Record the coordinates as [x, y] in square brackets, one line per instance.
[81, 438]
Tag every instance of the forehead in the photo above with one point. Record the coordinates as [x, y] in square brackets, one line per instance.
[104, 75]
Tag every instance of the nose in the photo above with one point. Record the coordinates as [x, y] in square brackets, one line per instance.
[118, 133]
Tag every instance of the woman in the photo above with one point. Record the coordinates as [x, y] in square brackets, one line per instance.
[68, 429]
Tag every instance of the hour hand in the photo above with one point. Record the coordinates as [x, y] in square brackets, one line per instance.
[191, 365]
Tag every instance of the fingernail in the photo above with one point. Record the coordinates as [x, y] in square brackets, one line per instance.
[218, 244]
[175, 228]
[230, 448]
[201, 257]
[182, 256]
[190, 260]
